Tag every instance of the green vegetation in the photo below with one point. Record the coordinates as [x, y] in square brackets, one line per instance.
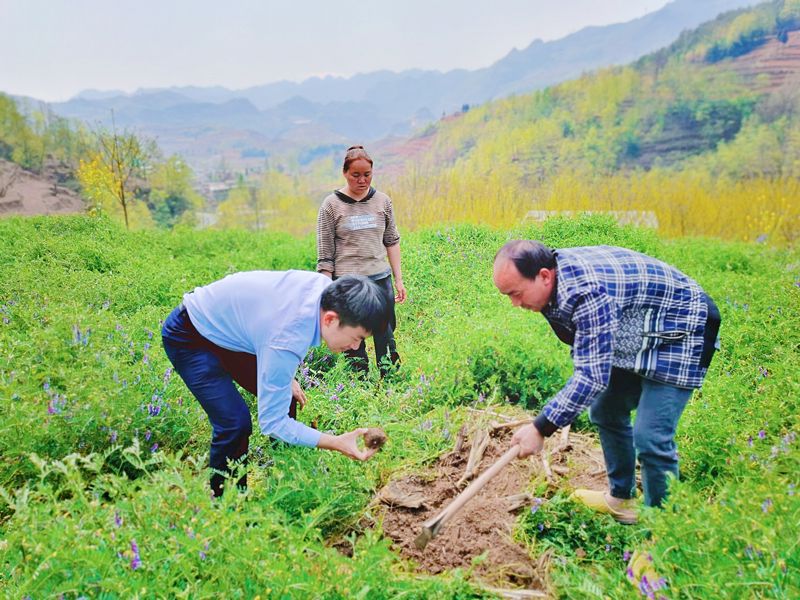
[102, 452]
[708, 147]
[119, 172]
[29, 138]
[706, 144]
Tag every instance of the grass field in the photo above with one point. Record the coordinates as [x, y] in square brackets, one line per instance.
[103, 485]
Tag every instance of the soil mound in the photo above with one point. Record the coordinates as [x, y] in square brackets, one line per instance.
[486, 522]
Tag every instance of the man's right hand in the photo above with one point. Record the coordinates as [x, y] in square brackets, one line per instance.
[346, 444]
[529, 439]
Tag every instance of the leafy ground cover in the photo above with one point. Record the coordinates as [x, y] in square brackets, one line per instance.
[102, 473]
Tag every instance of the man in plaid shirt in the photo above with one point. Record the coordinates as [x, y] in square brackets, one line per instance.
[642, 336]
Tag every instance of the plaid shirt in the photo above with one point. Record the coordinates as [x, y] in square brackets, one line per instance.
[620, 308]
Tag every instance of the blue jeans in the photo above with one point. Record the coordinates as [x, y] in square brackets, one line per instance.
[658, 408]
[210, 372]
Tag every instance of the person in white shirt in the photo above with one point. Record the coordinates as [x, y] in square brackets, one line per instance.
[254, 328]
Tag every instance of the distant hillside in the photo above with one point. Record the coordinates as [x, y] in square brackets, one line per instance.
[723, 99]
[369, 106]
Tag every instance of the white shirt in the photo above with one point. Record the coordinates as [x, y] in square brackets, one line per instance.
[274, 315]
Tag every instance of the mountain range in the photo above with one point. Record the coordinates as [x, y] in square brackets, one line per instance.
[196, 121]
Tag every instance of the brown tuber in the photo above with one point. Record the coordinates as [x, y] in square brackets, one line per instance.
[375, 437]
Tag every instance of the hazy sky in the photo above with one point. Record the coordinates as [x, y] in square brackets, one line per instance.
[53, 49]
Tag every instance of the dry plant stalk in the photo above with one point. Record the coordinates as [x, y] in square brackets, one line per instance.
[517, 594]
[565, 435]
[510, 425]
[479, 444]
[546, 466]
[460, 436]
[517, 501]
[489, 412]
[7, 181]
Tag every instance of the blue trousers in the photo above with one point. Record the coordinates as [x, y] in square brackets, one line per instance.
[652, 436]
[210, 372]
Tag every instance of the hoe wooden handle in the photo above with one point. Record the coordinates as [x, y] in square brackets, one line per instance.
[432, 526]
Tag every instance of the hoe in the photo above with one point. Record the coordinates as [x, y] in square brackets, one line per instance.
[431, 527]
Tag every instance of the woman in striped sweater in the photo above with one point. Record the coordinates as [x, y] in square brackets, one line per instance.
[356, 234]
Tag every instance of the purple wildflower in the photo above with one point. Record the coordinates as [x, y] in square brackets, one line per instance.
[537, 503]
[146, 360]
[608, 547]
[202, 555]
[761, 434]
[154, 447]
[541, 527]
[113, 436]
[644, 587]
[750, 441]
[46, 385]
[791, 489]
[765, 506]
[147, 436]
[118, 519]
[626, 556]
[339, 388]
[136, 561]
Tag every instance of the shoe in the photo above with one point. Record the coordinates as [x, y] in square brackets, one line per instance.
[642, 574]
[393, 367]
[597, 501]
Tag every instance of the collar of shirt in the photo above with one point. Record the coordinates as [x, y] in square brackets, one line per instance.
[345, 198]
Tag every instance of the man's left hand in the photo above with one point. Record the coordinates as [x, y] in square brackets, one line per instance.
[298, 394]
[529, 439]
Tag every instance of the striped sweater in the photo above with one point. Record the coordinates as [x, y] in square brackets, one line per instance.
[352, 235]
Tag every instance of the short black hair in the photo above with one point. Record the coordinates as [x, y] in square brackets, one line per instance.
[529, 256]
[359, 302]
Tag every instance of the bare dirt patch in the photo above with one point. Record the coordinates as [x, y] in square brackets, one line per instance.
[25, 193]
[486, 522]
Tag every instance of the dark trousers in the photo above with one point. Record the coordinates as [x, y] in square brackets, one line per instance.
[210, 372]
[385, 345]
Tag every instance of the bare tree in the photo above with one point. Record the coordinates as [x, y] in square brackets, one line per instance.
[7, 180]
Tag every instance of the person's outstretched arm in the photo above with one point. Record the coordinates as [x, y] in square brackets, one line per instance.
[346, 444]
